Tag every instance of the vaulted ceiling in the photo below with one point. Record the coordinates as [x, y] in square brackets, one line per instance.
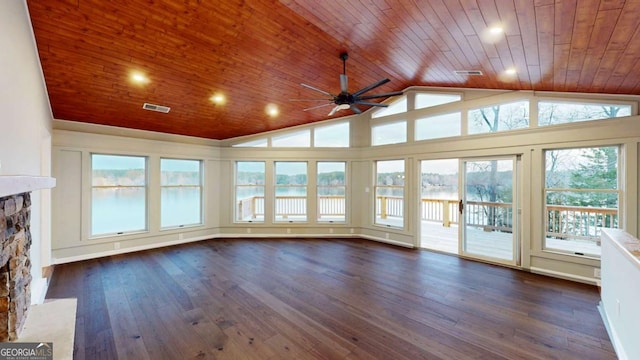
[258, 52]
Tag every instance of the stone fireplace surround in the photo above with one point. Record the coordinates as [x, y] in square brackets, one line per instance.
[15, 244]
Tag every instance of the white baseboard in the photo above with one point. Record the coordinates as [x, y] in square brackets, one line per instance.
[613, 336]
[561, 275]
[386, 241]
[126, 250]
[39, 287]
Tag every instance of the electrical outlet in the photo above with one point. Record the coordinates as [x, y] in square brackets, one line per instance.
[248, 230]
[351, 231]
[330, 230]
[288, 231]
[386, 235]
[180, 236]
[596, 273]
[116, 245]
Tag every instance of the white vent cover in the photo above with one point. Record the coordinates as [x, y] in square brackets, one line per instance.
[468, 72]
[158, 108]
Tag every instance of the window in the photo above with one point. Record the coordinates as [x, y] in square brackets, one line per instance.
[332, 191]
[291, 191]
[391, 133]
[253, 143]
[396, 107]
[292, 139]
[553, 113]
[390, 193]
[581, 197]
[425, 100]
[250, 191]
[181, 192]
[439, 126]
[118, 194]
[501, 117]
[335, 135]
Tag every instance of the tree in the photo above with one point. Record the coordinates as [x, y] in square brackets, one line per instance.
[599, 171]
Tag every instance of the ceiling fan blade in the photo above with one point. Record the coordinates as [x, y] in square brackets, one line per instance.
[316, 107]
[367, 103]
[371, 87]
[355, 109]
[333, 111]
[310, 99]
[389, 94]
[344, 83]
[318, 90]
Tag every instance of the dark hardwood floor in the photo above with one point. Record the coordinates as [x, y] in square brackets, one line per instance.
[323, 299]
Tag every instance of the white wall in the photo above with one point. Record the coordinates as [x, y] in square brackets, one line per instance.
[621, 291]
[71, 198]
[72, 241]
[25, 125]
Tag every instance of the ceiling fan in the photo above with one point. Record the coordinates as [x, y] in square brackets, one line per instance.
[345, 100]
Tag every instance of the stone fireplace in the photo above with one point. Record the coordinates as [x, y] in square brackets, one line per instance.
[15, 245]
[15, 267]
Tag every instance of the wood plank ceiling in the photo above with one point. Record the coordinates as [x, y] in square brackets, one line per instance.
[258, 52]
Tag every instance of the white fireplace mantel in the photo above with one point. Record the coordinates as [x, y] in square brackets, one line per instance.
[18, 184]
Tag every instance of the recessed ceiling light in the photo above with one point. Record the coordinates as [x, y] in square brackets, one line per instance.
[218, 99]
[139, 78]
[272, 110]
[492, 34]
[510, 71]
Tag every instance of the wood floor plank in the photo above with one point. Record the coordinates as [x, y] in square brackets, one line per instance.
[323, 299]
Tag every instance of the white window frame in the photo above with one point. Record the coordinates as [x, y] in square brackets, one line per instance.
[116, 187]
[181, 186]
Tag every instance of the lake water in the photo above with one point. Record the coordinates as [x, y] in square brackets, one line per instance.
[125, 211]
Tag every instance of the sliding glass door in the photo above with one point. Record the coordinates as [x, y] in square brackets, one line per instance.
[488, 209]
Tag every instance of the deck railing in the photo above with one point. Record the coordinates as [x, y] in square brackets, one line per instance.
[253, 207]
[579, 222]
[574, 222]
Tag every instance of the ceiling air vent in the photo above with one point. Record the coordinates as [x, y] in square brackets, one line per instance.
[468, 72]
[158, 108]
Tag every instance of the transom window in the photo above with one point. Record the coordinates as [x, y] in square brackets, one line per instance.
[253, 143]
[439, 126]
[396, 107]
[499, 117]
[556, 112]
[292, 139]
[425, 100]
[390, 133]
[334, 135]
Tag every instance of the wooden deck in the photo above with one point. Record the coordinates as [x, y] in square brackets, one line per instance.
[434, 236]
[323, 299]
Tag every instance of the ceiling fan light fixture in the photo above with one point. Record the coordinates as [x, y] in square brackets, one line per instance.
[346, 100]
